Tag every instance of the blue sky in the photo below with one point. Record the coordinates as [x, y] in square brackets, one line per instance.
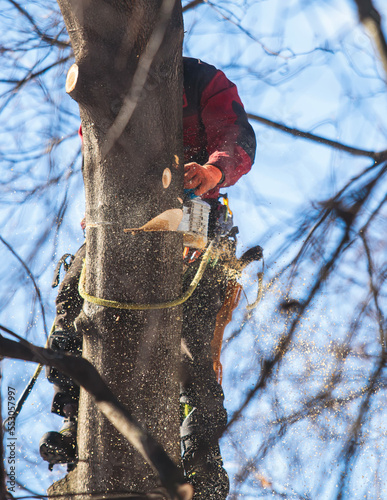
[308, 65]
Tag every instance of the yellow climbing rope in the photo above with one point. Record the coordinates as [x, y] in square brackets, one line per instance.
[139, 307]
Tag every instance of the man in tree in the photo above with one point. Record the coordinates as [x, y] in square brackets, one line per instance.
[219, 147]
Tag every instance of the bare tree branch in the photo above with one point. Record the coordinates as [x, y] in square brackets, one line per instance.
[192, 4]
[372, 21]
[379, 157]
[42, 35]
[322, 275]
[354, 433]
[30, 275]
[84, 374]
[31, 76]
[375, 292]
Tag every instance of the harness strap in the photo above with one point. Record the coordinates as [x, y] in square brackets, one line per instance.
[140, 307]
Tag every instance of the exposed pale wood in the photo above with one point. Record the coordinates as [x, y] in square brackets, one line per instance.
[166, 178]
[72, 78]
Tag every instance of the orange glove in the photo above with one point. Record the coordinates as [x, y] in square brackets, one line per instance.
[202, 178]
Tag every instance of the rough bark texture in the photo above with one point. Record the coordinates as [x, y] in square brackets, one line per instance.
[86, 376]
[136, 352]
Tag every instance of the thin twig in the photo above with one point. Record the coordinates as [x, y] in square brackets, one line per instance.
[377, 156]
[30, 275]
[372, 21]
[192, 4]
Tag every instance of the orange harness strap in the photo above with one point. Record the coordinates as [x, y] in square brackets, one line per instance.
[223, 318]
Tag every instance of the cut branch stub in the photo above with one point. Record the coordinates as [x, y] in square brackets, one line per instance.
[72, 78]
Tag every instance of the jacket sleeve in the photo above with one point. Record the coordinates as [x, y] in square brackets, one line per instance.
[230, 138]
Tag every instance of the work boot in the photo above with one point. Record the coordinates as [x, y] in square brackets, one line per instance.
[208, 477]
[63, 341]
[60, 447]
[201, 459]
[66, 390]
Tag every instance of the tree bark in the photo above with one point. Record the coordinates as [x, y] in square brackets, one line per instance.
[86, 376]
[127, 80]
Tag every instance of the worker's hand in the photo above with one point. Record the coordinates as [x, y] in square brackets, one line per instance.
[201, 178]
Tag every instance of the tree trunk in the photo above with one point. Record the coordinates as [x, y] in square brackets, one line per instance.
[127, 81]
